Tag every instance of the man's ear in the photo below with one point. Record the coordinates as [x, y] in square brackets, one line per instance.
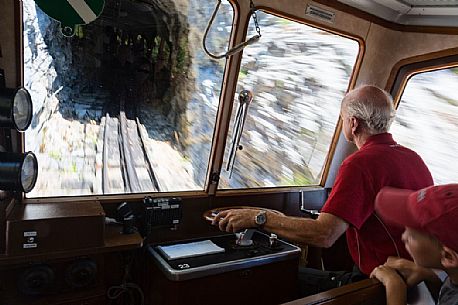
[354, 124]
[449, 258]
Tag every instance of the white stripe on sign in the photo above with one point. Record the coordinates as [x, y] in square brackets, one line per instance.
[83, 10]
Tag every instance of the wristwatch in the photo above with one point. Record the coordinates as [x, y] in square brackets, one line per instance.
[261, 218]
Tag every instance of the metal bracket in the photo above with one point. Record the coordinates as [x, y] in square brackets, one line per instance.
[214, 178]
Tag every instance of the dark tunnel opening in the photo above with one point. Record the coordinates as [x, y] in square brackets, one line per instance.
[135, 47]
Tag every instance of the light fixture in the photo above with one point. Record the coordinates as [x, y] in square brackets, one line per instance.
[18, 171]
[15, 108]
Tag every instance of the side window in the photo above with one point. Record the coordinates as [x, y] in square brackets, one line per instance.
[298, 76]
[128, 104]
[427, 121]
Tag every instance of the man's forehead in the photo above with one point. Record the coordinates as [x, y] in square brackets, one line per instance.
[418, 234]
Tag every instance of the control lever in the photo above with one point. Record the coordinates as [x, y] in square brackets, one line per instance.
[245, 98]
[273, 240]
[244, 238]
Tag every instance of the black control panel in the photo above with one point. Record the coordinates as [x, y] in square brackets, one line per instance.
[261, 251]
[162, 212]
[151, 213]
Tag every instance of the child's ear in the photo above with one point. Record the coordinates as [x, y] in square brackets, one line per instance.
[449, 258]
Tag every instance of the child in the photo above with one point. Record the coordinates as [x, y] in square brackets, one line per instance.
[430, 216]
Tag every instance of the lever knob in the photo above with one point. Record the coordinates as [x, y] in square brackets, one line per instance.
[245, 96]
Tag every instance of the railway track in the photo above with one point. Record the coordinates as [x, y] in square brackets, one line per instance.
[126, 166]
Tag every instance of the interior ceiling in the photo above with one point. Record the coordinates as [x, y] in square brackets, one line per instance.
[411, 12]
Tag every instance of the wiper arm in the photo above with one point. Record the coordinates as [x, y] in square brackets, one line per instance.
[245, 98]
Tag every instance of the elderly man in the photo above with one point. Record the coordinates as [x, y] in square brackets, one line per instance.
[366, 113]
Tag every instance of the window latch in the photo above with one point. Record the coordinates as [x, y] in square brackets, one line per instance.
[214, 178]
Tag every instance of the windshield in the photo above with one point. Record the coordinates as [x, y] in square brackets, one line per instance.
[128, 104]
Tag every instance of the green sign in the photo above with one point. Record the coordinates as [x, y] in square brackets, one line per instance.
[71, 12]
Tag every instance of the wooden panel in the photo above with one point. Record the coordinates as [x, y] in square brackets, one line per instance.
[98, 298]
[366, 292]
[59, 226]
[3, 213]
[9, 44]
[193, 225]
[259, 285]
[61, 291]
[9, 58]
[111, 271]
[114, 241]
[2, 227]
[62, 210]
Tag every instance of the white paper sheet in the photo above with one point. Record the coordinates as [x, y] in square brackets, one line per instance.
[190, 249]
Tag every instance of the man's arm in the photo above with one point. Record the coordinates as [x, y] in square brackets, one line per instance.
[322, 232]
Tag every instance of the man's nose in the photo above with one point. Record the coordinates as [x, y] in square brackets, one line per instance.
[404, 237]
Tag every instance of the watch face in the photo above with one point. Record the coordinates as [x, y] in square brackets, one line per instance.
[261, 218]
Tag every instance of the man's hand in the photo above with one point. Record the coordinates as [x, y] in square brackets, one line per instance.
[411, 272]
[396, 289]
[235, 220]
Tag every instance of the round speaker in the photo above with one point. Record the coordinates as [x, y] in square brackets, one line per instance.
[81, 273]
[36, 280]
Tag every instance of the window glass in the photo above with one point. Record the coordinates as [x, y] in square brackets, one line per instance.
[128, 104]
[427, 121]
[298, 76]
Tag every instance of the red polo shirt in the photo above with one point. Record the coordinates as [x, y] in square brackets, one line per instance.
[380, 162]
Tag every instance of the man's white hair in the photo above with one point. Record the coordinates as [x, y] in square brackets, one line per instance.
[371, 105]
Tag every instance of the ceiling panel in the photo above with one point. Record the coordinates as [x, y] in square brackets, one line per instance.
[411, 12]
[437, 3]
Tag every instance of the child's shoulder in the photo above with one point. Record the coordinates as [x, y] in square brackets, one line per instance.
[448, 294]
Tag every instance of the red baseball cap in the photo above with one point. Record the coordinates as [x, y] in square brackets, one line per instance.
[433, 210]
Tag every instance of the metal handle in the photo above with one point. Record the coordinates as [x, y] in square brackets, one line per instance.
[232, 51]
